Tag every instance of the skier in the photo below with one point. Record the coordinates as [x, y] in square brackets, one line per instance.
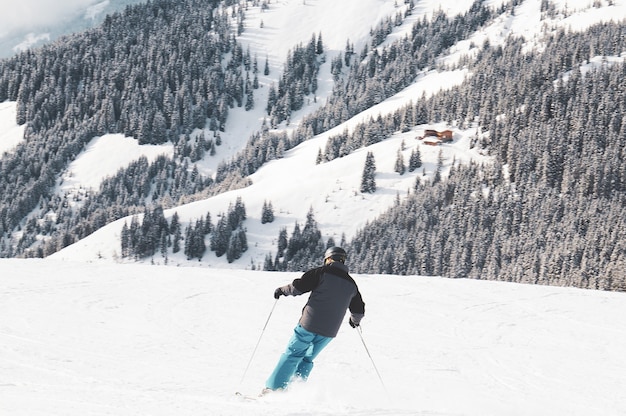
[333, 292]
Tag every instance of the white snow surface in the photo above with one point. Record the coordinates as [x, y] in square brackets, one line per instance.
[10, 133]
[109, 339]
[104, 156]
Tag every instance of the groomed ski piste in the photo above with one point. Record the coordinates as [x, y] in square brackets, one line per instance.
[82, 339]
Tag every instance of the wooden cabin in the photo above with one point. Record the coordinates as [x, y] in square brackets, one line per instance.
[435, 137]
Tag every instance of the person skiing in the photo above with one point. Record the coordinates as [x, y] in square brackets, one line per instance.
[333, 292]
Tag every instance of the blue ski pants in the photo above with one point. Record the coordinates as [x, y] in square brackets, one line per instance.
[297, 360]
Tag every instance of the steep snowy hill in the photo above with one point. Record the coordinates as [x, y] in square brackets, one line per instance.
[295, 184]
[94, 339]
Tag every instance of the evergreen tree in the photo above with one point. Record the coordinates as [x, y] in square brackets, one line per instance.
[268, 265]
[126, 241]
[221, 236]
[267, 214]
[208, 225]
[176, 232]
[282, 243]
[368, 179]
[237, 244]
[249, 96]
[195, 246]
[236, 214]
[228, 236]
[188, 250]
[399, 166]
[415, 160]
[176, 239]
[439, 168]
[319, 48]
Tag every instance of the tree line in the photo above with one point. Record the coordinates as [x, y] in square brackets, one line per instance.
[153, 235]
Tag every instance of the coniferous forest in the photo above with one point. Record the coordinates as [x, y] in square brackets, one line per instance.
[548, 211]
[154, 72]
[551, 209]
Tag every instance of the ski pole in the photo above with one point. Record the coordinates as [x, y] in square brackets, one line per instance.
[258, 342]
[360, 331]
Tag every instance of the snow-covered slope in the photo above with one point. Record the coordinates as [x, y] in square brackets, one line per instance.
[10, 133]
[295, 184]
[80, 339]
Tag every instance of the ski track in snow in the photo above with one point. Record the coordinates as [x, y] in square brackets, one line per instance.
[103, 339]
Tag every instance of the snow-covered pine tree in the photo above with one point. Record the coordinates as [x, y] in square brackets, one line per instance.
[368, 179]
[415, 160]
[399, 166]
[267, 214]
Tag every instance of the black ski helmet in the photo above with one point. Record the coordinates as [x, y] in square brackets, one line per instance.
[335, 253]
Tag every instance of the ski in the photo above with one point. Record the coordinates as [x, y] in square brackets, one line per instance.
[263, 393]
[246, 397]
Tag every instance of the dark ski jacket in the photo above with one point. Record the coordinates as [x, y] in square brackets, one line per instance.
[333, 292]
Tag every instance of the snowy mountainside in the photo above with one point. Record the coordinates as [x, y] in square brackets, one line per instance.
[110, 339]
[295, 184]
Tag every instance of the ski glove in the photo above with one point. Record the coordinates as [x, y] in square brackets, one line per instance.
[278, 293]
[353, 324]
